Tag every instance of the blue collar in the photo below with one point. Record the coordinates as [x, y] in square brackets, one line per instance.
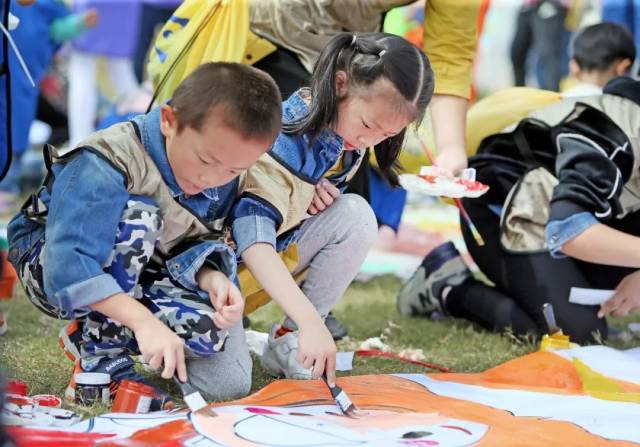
[295, 108]
[153, 141]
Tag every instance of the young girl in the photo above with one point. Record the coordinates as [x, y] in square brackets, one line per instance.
[365, 90]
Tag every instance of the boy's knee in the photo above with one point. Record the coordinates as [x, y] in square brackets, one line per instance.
[221, 376]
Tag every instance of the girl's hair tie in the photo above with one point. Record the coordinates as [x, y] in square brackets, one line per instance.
[353, 40]
[382, 53]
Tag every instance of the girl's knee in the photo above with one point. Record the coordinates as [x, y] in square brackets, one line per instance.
[359, 215]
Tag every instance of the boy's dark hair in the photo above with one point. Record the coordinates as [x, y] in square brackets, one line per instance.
[599, 46]
[250, 98]
[366, 58]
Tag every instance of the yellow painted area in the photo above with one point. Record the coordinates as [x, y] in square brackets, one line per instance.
[602, 387]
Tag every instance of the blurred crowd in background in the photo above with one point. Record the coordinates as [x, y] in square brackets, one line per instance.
[93, 72]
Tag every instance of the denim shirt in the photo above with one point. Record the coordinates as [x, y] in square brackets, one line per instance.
[84, 208]
[255, 221]
[559, 232]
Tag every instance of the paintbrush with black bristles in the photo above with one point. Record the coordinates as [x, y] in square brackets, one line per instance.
[341, 399]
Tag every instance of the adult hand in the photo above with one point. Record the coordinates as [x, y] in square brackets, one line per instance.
[451, 161]
[626, 298]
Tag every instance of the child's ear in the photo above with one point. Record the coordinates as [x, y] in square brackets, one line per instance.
[622, 66]
[574, 69]
[168, 120]
[342, 84]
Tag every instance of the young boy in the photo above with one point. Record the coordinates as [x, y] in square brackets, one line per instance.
[600, 53]
[126, 234]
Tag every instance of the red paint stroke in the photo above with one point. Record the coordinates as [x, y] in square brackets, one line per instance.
[455, 427]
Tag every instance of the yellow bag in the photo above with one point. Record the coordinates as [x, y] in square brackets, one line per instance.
[202, 31]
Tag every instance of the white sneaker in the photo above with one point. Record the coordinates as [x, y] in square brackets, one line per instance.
[279, 357]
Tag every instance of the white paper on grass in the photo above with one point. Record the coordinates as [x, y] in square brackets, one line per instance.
[286, 427]
[609, 419]
[344, 361]
[620, 365]
[589, 297]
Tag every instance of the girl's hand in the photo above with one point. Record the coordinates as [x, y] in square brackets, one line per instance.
[317, 350]
[625, 300]
[324, 196]
[225, 298]
[159, 346]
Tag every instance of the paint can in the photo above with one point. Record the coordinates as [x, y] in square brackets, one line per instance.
[133, 397]
[92, 388]
[17, 387]
[47, 400]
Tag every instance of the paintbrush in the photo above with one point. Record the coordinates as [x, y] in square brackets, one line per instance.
[474, 231]
[555, 339]
[341, 399]
[194, 399]
[550, 318]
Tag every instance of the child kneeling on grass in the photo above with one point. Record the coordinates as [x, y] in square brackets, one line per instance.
[365, 91]
[126, 234]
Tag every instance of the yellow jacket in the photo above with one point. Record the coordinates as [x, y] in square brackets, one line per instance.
[450, 37]
[247, 30]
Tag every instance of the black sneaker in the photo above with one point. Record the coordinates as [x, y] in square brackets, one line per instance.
[421, 294]
[338, 331]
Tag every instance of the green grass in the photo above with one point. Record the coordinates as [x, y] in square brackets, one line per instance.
[30, 352]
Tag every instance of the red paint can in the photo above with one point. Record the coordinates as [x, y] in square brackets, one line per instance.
[133, 397]
[17, 387]
[47, 400]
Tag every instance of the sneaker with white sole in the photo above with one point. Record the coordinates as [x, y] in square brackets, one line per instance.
[279, 357]
[422, 293]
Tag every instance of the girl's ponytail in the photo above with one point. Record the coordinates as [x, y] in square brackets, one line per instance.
[365, 58]
[324, 106]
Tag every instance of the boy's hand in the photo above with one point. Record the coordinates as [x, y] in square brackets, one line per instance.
[159, 346]
[91, 18]
[324, 196]
[317, 350]
[625, 300]
[225, 298]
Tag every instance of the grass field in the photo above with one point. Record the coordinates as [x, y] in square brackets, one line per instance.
[29, 351]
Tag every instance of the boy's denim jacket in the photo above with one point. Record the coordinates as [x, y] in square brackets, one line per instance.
[85, 204]
[277, 191]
